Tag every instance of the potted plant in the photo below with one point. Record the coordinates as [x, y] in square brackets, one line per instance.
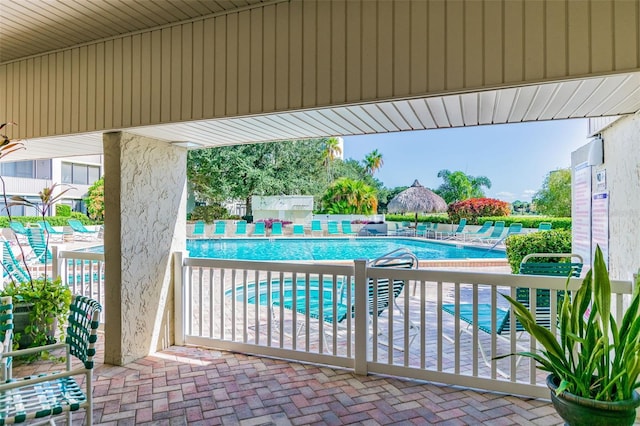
[595, 362]
[41, 304]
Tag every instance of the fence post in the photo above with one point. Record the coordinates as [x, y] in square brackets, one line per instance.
[178, 284]
[56, 264]
[361, 317]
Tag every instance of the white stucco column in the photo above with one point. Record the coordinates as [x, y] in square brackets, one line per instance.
[145, 214]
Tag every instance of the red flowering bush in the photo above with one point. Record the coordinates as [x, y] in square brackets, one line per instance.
[473, 208]
[268, 223]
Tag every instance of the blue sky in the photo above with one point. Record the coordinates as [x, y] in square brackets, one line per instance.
[515, 157]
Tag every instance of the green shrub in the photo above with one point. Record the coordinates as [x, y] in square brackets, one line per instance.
[554, 241]
[473, 208]
[530, 221]
[63, 210]
[433, 218]
[209, 213]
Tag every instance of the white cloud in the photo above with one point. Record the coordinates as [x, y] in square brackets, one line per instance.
[528, 194]
[506, 196]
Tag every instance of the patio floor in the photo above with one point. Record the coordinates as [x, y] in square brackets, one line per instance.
[195, 386]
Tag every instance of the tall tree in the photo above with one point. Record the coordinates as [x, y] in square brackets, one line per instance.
[373, 161]
[554, 198]
[240, 171]
[458, 186]
[330, 152]
[95, 199]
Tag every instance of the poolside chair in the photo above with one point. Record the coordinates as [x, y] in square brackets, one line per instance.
[50, 230]
[298, 230]
[422, 229]
[259, 230]
[11, 265]
[19, 230]
[381, 297]
[49, 395]
[6, 336]
[198, 229]
[346, 228]
[39, 245]
[514, 228]
[479, 233]
[496, 234]
[332, 228]
[543, 305]
[80, 232]
[276, 229]
[241, 228]
[220, 228]
[455, 232]
[401, 230]
[544, 226]
[316, 227]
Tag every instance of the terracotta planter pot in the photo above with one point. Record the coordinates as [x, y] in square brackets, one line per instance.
[576, 410]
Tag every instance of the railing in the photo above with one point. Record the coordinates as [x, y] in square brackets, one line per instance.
[292, 311]
[83, 272]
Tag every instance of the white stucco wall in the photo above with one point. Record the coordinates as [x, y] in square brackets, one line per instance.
[622, 165]
[144, 225]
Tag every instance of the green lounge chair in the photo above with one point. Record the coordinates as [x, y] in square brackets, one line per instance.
[241, 228]
[455, 232]
[80, 231]
[514, 228]
[46, 226]
[316, 226]
[11, 265]
[422, 229]
[276, 229]
[298, 230]
[480, 232]
[496, 234]
[346, 228]
[19, 230]
[259, 229]
[544, 226]
[39, 245]
[198, 229]
[220, 229]
[332, 228]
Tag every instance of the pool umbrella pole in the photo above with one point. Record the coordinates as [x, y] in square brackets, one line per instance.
[417, 199]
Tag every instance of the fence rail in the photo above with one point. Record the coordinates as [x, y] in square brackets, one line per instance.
[307, 312]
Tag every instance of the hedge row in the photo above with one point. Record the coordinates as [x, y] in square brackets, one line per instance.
[433, 218]
[554, 241]
[53, 220]
[530, 221]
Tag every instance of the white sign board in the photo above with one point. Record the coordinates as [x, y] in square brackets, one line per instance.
[600, 224]
[581, 212]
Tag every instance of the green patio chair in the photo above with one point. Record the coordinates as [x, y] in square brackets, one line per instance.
[276, 229]
[220, 229]
[50, 230]
[332, 228]
[259, 229]
[496, 233]
[198, 229]
[479, 233]
[346, 228]
[6, 335]
[544, 226]
[298, 230]
[316, 227]
[241, 228]
[455, 232]
[80, 232]
[19, 230]
[48, 395]
[11, 266]
[39, 245]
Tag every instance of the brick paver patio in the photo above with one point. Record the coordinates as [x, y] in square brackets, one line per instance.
[194, 386]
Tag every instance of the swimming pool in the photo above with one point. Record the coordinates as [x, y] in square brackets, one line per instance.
[283, 249]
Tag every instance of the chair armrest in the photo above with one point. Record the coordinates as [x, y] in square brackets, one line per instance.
[19, 382]
[29, 351]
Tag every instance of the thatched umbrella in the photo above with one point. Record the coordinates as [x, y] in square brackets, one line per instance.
[417, 199]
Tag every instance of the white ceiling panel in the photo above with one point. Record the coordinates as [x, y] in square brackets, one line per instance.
[596, 97]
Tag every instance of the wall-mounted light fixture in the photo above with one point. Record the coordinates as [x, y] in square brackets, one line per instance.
[186, 144]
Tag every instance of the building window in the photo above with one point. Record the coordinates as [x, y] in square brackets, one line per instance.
[38, 169]
[43, 169]
[79, 174]
[21, 210]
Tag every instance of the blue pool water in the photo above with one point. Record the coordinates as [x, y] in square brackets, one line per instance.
[283, 249]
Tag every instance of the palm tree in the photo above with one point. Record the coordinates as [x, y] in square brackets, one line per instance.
[331, 151]
[373, 161]
[348, 196]
[458, 186]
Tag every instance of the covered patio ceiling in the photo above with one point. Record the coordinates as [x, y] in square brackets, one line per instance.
[75, 22]
[594, 97]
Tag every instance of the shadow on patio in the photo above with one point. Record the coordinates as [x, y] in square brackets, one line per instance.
[188, 385]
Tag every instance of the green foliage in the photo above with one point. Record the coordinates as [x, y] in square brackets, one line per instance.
[458, 186]
[554, 198]
[473, 208]
[530, 221]
[63, 210]
[594, 356]
[50, 300]
[347, 196]
[553, 241]
[209, 213]
[240, 171]
[433, 218]
[95, 200]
